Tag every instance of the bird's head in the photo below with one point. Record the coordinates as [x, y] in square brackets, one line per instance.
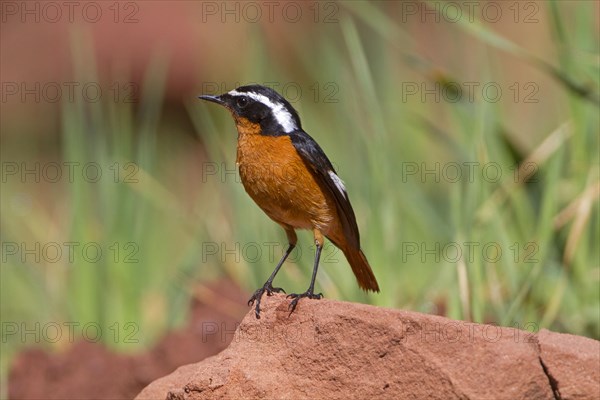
[261, 106]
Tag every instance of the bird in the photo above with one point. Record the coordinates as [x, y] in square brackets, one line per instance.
[288, 175]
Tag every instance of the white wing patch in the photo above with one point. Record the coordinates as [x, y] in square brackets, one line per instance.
[279, 111]
[338, 183]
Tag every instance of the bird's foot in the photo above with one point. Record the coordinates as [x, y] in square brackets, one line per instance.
[296, 297]
[257, 296]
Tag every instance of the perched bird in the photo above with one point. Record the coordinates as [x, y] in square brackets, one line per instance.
[291, 179]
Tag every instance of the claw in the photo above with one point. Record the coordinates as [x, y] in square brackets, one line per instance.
[274, 290]
[296, 297]
[257, 296]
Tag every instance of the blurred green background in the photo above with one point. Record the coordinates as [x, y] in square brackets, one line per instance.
[467, 138]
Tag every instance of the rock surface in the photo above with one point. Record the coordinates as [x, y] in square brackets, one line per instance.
[336, 350]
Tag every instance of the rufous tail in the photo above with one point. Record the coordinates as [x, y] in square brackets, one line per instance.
[362, 270]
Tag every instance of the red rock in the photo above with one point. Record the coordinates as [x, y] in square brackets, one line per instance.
[334, 350]
[572, 364]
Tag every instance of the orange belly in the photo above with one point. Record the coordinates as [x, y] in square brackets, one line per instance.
[277, 179]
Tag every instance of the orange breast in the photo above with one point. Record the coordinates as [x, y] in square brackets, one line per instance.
[276, 178]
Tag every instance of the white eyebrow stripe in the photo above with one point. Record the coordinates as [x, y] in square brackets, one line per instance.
[338, 183]
[279, 111]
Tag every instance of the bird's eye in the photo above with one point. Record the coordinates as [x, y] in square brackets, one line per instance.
[242, 102]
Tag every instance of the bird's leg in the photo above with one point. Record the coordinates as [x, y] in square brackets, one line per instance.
[268, 286]
[310, 292]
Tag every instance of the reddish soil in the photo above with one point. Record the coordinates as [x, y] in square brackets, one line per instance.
[90, 371]
[337, 350]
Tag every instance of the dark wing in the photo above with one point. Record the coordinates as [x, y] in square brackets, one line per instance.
[318, 163]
